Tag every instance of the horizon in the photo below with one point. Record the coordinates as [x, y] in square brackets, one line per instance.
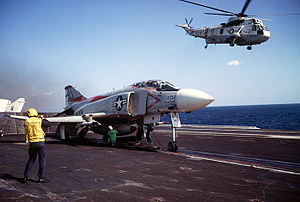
[209, 106]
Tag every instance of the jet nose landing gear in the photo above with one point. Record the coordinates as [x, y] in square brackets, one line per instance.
[172, 147]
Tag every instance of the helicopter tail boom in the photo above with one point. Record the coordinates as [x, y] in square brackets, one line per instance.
[186, 28]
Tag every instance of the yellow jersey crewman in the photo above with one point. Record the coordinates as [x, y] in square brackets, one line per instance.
[35, 137]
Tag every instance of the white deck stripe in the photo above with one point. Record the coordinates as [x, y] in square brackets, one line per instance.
[233, 163]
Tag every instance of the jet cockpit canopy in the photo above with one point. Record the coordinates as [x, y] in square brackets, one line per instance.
[159, 85]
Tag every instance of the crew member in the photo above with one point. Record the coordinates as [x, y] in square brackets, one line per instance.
[35, 137]
[111, 135]
[149, 133]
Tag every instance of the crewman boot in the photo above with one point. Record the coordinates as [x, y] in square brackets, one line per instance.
[43, 180]
[25, 179]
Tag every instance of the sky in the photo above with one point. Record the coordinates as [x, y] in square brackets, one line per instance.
[100, 45]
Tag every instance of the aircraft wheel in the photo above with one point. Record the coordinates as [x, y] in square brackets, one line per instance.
[249, 48]
[175, 147]
[172, 147]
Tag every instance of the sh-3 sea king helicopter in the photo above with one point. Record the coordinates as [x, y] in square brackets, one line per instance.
[239, 30]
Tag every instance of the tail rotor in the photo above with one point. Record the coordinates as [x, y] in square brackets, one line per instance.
[188, 23]
[187, 26]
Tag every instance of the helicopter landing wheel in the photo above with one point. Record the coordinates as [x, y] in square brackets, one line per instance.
[249, 47]
[205, 46]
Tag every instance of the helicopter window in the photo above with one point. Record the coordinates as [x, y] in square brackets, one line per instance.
[263, 27]
[255, 21]
[259, 27]
[221, 31]
[259, 30]
[253, 28]
[235, 22]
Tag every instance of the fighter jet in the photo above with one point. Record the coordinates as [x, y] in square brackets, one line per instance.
[128, 109]
[16, 106]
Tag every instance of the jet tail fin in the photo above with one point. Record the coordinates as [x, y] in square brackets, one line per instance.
[16, 106]
[72, 96]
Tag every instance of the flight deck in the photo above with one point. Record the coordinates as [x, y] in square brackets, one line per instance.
[212, 164]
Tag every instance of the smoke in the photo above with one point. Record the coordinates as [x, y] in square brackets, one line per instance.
[40, 89]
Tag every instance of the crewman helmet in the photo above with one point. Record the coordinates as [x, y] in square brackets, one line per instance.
[32, 112]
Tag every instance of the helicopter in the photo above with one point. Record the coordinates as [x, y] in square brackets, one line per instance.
[240, 30]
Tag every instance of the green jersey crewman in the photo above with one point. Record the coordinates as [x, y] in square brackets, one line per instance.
[112, 135]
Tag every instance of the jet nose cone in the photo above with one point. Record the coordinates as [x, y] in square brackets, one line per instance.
[188, 100]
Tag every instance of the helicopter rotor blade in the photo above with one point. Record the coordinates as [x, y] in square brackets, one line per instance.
[208, 7]
[191, 21]
[222, 14]
[245, 7]
[229, 13]
[274, 15]
[186, 21]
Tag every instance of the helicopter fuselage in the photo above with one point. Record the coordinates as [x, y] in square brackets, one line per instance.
[238, 31]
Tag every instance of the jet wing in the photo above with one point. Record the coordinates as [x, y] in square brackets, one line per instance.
[68, 119]
[19, 117]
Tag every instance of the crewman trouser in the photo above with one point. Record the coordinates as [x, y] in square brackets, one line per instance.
[34, 149]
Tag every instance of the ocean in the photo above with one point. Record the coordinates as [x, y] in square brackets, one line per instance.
[278, 116]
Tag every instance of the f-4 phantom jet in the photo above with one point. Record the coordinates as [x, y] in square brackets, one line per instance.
[16, 106]
[128, 109]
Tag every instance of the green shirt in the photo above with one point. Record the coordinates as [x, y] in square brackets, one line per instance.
[112, 134]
